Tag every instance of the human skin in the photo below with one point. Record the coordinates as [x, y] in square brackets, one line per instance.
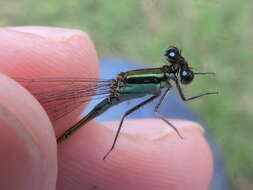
[148, 154]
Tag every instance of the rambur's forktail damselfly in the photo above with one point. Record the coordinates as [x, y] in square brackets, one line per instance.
[126, 86]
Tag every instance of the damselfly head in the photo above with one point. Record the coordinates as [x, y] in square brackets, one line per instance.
[186, 75]
[179, 64]
[172, 54]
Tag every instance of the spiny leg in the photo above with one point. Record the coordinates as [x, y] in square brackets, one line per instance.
[191, 98]
[126, 114]
[162, 99]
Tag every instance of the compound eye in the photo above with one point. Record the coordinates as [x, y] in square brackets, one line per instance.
[172, 53]
[186, 76]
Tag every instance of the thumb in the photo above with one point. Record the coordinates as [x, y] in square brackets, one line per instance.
[28, 148]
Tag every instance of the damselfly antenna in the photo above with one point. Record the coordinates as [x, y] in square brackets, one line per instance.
[205, 73]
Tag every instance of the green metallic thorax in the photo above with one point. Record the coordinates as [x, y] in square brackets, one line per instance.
[139, 83]
[140, 73]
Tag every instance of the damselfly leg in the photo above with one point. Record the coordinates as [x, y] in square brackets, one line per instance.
[193, 97]
[124, 116]
[158, 114]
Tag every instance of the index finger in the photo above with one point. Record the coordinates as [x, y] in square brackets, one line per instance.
[43, 52]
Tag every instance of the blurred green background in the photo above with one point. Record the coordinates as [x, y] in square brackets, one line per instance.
[214, 35]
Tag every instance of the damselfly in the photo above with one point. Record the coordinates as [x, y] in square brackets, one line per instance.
[72, 92]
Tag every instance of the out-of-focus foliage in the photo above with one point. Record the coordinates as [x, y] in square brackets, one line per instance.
[214, 35]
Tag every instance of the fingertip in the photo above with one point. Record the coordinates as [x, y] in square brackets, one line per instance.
[148, 153]
[37, 52]
[153, 147]
[28, 145]
[48, 52]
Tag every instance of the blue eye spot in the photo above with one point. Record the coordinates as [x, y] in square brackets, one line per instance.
[172, 54]
[184, 73]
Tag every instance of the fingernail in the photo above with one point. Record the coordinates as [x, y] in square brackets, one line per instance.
[52, 33]
[154, 129]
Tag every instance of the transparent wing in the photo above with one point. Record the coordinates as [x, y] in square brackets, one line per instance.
[60, 96]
